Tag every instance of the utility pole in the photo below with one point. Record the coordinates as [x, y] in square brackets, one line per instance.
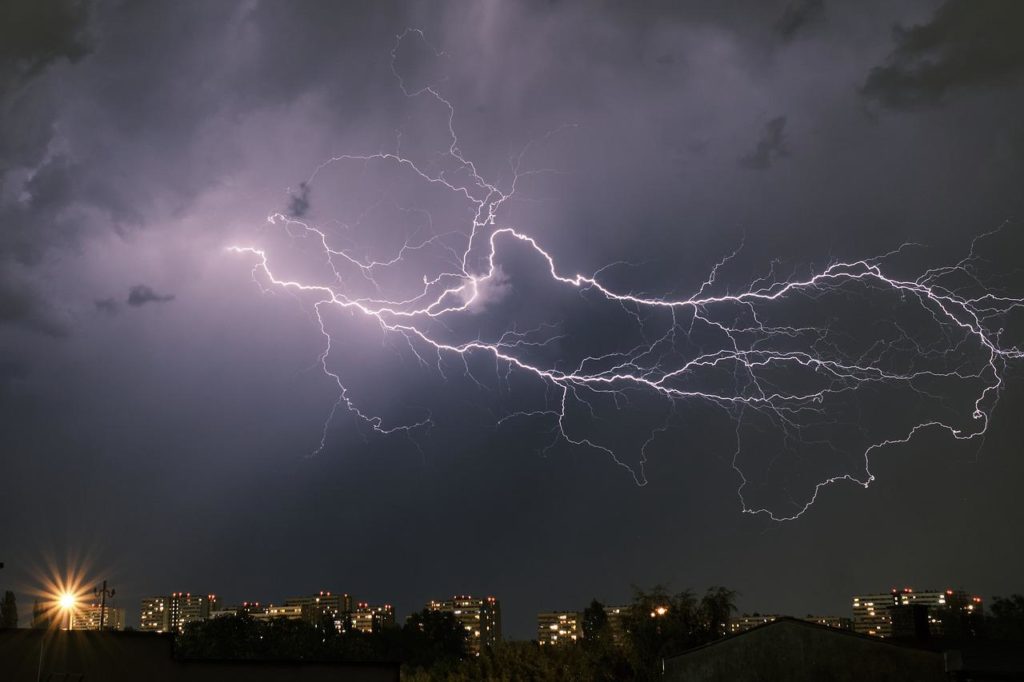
[103, 593]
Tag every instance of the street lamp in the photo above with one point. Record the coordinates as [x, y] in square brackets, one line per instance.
[103, 593]
[66, 601]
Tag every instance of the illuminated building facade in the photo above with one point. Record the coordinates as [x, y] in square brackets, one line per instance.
[745, 622]
[226, 612]
[368, 618]
[951, 613]
[961, 618]
[559, 627]
[618, 622]
[88, 618]
[481, 619]
[251, 608]
[185, 607]
[837, 622]
[323, 605]
[155, 614]
[287, 612]
[172, 613]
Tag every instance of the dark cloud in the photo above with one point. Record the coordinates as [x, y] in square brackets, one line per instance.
[797, 15]
[34, 34]
[298, 203]
[110, 306]
[34, 189]
[966, 44]
[22, 306]
[770, 148]
[140, 295]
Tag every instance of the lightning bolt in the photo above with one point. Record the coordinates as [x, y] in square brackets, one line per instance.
[788, 375]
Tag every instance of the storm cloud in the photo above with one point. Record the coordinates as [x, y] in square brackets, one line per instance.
[21, 305]
[770, 148]
[140, 141]
[965, 44]
[141, 294]
[797, 15]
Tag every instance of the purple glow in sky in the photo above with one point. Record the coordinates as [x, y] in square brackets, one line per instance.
[735, 347]
[563, 248]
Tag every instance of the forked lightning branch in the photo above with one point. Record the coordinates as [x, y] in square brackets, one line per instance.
[787, 374]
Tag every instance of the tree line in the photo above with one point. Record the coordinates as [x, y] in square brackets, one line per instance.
[432, 645]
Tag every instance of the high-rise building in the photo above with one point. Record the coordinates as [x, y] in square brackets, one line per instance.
[909, 621]
[155, 615]
[88, 617]
[251, 608]
[961, 618]
[288, 612]
[559, 627]
[618, 622]
[481, 619]
[873, 613]
[185, 607]
[323, 604]
[226, 612]
[368, 618]
[173, 612]
[837, 622]
[738, 624]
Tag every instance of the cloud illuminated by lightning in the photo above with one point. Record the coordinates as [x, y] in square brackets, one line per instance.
[738, 350]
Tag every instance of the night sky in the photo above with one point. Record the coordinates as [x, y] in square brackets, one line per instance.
[162, 404]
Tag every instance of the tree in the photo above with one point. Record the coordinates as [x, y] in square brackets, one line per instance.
[8, 611]
[231, 637]
[596, 631]
[715, 609]
[663, 624]
[433, 637]
[1006, 618]
[604, 660]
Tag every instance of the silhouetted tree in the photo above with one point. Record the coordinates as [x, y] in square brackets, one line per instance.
[433, 638]
[604, 660]
[430, 639]
[8, 611]
[224, 638]
[1006, 618]
[596, 631]
[715, 609]
[663, 624]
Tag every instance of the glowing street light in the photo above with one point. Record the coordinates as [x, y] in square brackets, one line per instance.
[67, 601]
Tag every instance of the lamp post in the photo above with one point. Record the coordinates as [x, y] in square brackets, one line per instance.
[103, 593]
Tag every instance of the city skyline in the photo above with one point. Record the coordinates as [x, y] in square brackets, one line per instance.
[860, 616]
